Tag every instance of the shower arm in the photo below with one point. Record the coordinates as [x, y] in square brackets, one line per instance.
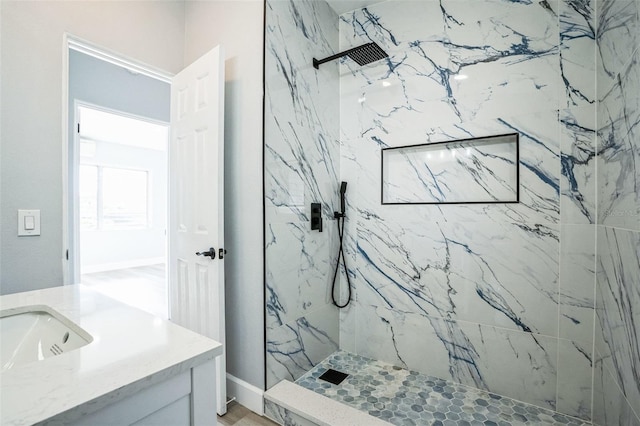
[317, 63]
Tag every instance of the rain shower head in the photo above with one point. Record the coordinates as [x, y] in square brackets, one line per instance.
[367, 53]
[362, 55]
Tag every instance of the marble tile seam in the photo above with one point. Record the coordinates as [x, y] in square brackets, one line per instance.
[613, 84]
[631, 58]
[605, 367]
[637, 231]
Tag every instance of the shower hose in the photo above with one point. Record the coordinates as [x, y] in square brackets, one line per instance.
[338, 217]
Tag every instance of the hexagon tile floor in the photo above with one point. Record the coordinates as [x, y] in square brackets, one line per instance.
[404, 397]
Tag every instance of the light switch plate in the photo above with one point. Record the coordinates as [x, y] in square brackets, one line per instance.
[28, 223]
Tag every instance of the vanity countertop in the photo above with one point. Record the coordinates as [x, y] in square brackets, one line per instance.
[130, 351]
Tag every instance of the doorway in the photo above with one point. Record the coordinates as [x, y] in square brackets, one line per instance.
[122, 206]
[118, 178]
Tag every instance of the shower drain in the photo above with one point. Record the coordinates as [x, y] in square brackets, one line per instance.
[333, 376]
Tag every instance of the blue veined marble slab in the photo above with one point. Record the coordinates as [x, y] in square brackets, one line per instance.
[450, 62]
[301, 110]
[302, 156]
[577, 284]
[500, 274]
[618, 310]
[618, 162]
[577, 46]
[617, 39]
[578, 165]
[296, 347]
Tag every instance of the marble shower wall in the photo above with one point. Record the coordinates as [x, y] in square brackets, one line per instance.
[302, 157]
[617, 331]
[496, 296]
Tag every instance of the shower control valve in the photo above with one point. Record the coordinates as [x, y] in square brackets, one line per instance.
[316, 217]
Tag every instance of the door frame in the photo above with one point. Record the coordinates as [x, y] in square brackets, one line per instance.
[70, 255]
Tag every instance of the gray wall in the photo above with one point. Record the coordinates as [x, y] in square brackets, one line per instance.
[98, 82]
[31, 151]
[101, 83]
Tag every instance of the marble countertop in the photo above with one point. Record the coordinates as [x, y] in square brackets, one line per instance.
[130, 351]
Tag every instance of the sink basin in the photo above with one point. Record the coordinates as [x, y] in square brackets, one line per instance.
[34, 333]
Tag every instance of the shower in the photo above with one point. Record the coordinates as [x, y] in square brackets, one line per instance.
[362, 55]
[340, 219]
[451, 296]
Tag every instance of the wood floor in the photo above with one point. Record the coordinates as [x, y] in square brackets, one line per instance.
[144, 287]
[237, 415]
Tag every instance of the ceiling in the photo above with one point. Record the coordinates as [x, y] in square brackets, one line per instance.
[342, 6]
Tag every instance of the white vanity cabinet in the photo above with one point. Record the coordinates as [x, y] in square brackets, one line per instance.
[185, 399]
[137, 369]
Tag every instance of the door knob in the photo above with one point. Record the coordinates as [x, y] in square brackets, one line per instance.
[211, 253]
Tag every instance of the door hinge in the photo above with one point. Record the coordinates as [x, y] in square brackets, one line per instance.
[67, 254]
[78, 127]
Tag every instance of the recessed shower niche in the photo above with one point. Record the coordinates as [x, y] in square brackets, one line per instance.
[478, 170]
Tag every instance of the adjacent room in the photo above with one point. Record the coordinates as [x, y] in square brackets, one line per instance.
[118, 171]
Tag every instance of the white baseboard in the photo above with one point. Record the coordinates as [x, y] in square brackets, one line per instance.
[121, 265]
[245, 394]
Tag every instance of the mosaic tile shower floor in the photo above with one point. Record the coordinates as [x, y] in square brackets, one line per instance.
[404, 397]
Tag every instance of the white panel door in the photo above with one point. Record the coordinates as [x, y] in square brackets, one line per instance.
[196, 200]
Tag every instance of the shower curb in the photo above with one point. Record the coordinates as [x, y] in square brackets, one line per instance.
[290, 404]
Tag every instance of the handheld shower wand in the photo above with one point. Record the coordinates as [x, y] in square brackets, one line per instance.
[341, 215]
[343, 189]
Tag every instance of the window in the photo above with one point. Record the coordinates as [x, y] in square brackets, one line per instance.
[113, 198]
[118, 154]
